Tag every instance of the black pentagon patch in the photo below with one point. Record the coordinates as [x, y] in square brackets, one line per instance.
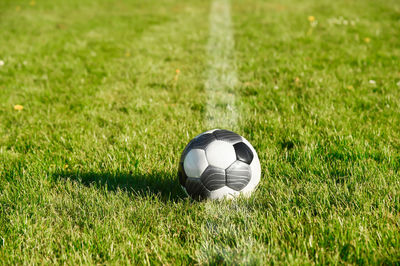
[243, 152]
[228, 136]
[238, 175]
[213, 178]
[182, 175]
[196, 189]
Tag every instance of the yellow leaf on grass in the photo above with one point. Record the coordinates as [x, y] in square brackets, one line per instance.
[177, 71]
[18, 107]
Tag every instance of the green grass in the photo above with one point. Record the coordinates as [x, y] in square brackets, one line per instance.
[88, 167]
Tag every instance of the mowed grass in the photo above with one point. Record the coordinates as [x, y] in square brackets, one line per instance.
[88, 166]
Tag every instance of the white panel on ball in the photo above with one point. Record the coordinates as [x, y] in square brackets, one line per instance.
[224, 192]
[195, 163]
[220, 154]
[255, 176]
[255, 171]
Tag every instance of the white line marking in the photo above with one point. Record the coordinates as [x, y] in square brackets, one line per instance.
[221, 76]
[220, 113]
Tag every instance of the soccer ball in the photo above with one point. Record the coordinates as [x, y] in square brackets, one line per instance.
[217, 164]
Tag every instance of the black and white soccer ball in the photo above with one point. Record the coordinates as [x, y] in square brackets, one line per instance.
[217, 164]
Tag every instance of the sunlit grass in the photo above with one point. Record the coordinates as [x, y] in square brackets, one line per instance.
[98, 99]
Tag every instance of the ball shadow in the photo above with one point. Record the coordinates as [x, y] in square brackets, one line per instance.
[160, 184]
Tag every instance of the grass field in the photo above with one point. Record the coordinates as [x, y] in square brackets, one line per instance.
[88, 166]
